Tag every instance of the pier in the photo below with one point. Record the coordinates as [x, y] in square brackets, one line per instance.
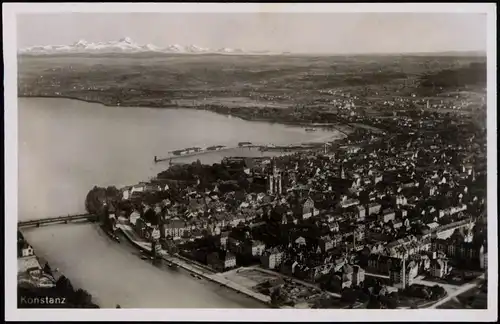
[261, 148]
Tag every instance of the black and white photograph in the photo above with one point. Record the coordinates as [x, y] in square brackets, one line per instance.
[239, 160]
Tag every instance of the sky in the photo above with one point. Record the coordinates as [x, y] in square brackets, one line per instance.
[334, 33]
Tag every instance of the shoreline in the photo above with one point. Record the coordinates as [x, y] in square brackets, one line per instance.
[191, 267]
[175, 106]
[59, 275]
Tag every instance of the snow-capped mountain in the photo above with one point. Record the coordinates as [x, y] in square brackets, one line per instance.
[126, 45]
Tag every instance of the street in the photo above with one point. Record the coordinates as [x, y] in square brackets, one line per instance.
[476, 282]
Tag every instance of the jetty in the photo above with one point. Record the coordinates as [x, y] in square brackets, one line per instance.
[262, 148]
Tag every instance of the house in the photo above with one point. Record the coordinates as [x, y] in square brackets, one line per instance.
[439, 268]
[401, 200]
[361, 210]
[223, 240]
[175, 228]
[254, 248]
[387, 215]
[381, 263]
[25, 251]
[300, 241]
[308, 210]
[221, 261]
[326, 243]
[374, 208]
[272, 259]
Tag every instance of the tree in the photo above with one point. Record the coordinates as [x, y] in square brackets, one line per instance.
[64, 285]
[82, 298]
[95, 200]
[47, 269]
[349, 296]
[278, 297]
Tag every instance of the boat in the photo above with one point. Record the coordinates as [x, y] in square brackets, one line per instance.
[310, 129]
[215, 148]
[110, 234]
[186, 151]
[173, 266]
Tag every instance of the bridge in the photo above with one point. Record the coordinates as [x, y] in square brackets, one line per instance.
[54, 220]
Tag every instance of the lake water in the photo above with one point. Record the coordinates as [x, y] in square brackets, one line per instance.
[66, 147]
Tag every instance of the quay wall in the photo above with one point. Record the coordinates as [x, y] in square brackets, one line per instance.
[214, 277]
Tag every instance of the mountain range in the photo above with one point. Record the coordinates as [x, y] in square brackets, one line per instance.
[127, 45]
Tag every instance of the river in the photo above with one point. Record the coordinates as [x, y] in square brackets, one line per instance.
[67, 146]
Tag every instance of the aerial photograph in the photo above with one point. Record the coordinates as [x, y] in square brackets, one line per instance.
[252, 160]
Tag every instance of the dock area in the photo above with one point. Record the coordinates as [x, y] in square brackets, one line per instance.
[261, 148]
[193, 268]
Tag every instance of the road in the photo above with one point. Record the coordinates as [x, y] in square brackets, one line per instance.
[376, 275]
[476, 282]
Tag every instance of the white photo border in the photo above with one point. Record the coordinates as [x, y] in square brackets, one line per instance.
[11, 170]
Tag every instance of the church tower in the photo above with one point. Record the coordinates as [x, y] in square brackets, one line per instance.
[274, 181]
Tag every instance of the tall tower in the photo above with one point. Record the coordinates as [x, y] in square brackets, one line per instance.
[274, 185]
[342, 172]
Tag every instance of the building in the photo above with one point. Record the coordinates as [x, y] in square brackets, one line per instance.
[223, 240]
[439, 268]
[308, 210]
[452, 210]
[387, 215]
[175, 228]
[221, 261]
[361, 212]
[274, 181]
[402, 274]
[358, 275]
[254, 248]
[25, 251]
[374, 208]
[272, 259]
[326, 243]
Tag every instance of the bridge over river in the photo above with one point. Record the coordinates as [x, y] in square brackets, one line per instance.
[54, 220]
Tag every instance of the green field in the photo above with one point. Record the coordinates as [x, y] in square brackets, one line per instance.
[247, 82]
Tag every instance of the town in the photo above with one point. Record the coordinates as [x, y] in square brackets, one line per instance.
[391, 216]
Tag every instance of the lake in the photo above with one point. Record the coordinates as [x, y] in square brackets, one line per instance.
[66, 147]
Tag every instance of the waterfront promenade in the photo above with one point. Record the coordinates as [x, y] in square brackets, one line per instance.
[192, 267]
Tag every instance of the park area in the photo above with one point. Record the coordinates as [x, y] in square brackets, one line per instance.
[285, 291]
